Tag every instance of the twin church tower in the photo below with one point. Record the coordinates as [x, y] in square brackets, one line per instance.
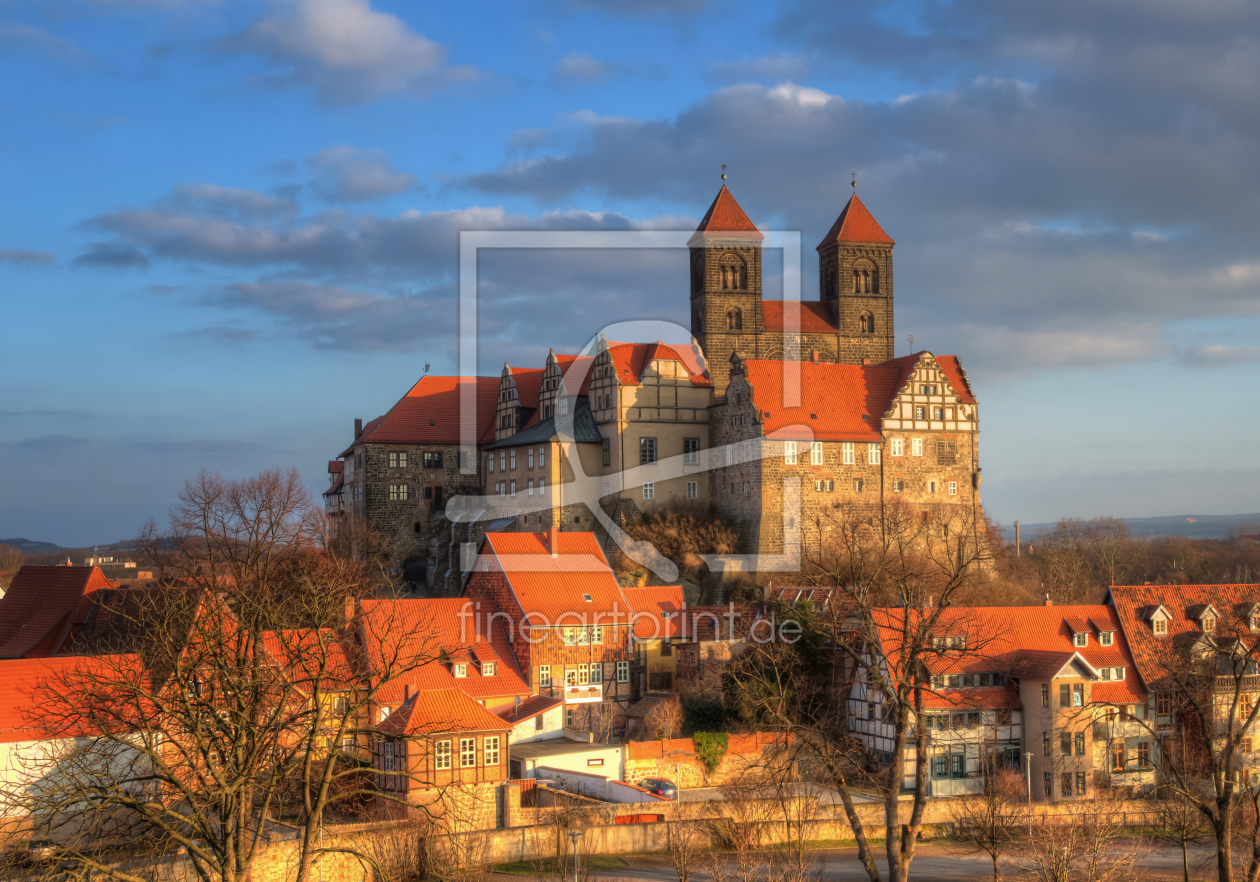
[850, 323]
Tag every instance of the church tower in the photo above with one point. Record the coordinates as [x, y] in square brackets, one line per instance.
[855, 278]
[725, 286]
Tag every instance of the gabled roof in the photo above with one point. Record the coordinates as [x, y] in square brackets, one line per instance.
[572, 367]
[529, 708]
[659, 610]
[430, 413]
[555, 588]
[1158, 655]
[631, 360]
[982, 697]
[439, 712]
[953, 372]
[814, 317]
[725, 218]
[855, 224]
[22, 681]
[839, 402]
[414, 634]
[553, 429]
[43, 604]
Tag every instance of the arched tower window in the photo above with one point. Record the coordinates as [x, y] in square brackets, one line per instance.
[734, 320]
[866, 323]
[734, 273]
[865, 278]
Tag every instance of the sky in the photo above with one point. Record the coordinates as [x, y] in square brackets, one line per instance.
[229, 228]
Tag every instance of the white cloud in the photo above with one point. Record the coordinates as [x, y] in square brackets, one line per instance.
[1219, 354]
[348, 52]
[348, 174]
[22, 39]
[581, 68]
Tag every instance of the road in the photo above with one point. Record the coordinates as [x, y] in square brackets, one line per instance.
[932, 861]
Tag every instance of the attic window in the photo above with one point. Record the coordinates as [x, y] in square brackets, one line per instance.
[1080, 638]
[865, 417]
[1209, 624]
[1104, 638]
[461, 670]
[813, 416]
[1159, 626]
[487, 669]
[1253, 622]
[586, 597]
[432, 422]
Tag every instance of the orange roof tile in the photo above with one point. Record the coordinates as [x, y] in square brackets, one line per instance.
[430, 413]
[659, 610]
[441, 711]
[814, 317]
[22, 682]
[41, 606]
[834, 400]
[573, 366]
[1158, 655]
[556, 588]
[413, 634]
[957, 378]
[632, 359]
[967, 699]
[529, 708]
[855, 224]
[725, 217]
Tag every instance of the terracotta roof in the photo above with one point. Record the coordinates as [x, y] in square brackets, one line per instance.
[23, 680]
[573, 366]
[42, 605]
[953, 372]
[980, 697]
[726, 218]
[530, 708]
[430, 413]
[652, 604]
[441, 711]
[815, 318]
[556, 588]
[834, 400]
[334, 466]
[413, 633]
[632, 359]
[1033, 642]
[855, 224]
[336, 485]
[1156, 655]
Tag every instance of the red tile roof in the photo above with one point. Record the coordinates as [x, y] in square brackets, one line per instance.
[980, 697]
[658, 610]
[855, 224]
[413, 634]
[22, 684]
[530, 708]
[726, 218]
[834, 399]
[430, 413]
[555, 588]
[1157, 656]
[814, 317]
[441, 711]
[954, 373]
[573, 366]
[42, 605]
[632, 359]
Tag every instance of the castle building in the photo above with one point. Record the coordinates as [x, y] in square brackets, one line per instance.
[632, 428]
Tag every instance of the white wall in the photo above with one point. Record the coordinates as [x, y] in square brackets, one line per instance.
[613, 756]
[553, 727]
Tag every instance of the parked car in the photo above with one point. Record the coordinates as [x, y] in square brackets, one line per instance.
[660, 787]
[31, 851]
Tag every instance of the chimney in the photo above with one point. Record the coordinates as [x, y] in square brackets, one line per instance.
[349, 613]
[866, 360]
[358, 429]
[1049, 602]
[553, 540]
[813, 356]
[406, 694]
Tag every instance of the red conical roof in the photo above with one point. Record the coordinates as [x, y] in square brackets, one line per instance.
[726, 218]
[855, 224]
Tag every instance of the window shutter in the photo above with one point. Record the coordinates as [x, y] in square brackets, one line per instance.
[533, 679]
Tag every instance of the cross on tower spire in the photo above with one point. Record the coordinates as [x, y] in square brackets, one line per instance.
[854, 184]
[724, 171]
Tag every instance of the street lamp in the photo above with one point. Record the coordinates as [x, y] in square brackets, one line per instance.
[1028, 775]
[575, 835]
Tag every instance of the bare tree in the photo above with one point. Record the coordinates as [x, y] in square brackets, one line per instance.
[900, 572]
[989, 821]
[1090, 844]
[11, 560]
[669, 719]
[685, 839]
[1178, 822]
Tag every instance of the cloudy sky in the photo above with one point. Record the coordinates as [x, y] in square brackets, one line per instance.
[229, 228]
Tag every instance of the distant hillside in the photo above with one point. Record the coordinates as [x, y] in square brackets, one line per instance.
[27, 546]
[1190, 526]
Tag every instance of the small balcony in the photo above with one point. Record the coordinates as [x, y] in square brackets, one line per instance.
[1105, 730]
[1250, 683]
[583, 694]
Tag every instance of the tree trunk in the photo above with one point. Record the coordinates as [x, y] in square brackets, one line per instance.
[859, 833]
[1185, 861]
[997, 875]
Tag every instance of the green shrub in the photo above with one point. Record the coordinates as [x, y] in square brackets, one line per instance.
[710, 748]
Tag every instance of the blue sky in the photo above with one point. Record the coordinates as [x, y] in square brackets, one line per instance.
[229, 228]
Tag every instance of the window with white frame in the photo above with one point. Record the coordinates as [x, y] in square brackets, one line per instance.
[649, 490]
[389, 756]
[748, 488]
[529, 457]
[542, 482]
[461, 670]
[789, 453]
[570, 677]
[953, 488]
[691, 451]
[647, 451]
[512, 484]
[815, 453]
[490, 751]
[857, 485]
[467, 752]
[898, 486]
[487, 669]
[846, 453]
[384, 713]
[919, 413]
[442, 755]
[1105, 638]
[490, 464]
[693, 489]
[1159, 626]
[512, 460]
[544, 675]
[623, 672]
[583, 675]
[542, 457]
[898, 447]
[916, 447]
[503, 460]
[1080, 638]
[529, 487]
[872, 454]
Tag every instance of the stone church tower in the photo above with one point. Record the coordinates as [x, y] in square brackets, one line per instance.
[855, 276]
[852, 320]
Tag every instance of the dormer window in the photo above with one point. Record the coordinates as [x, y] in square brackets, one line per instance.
[1105, 638]
[586, 597]
[460, 670]
[487, 669]
[1209, 624]
[1080, 638]
[1159, 626]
